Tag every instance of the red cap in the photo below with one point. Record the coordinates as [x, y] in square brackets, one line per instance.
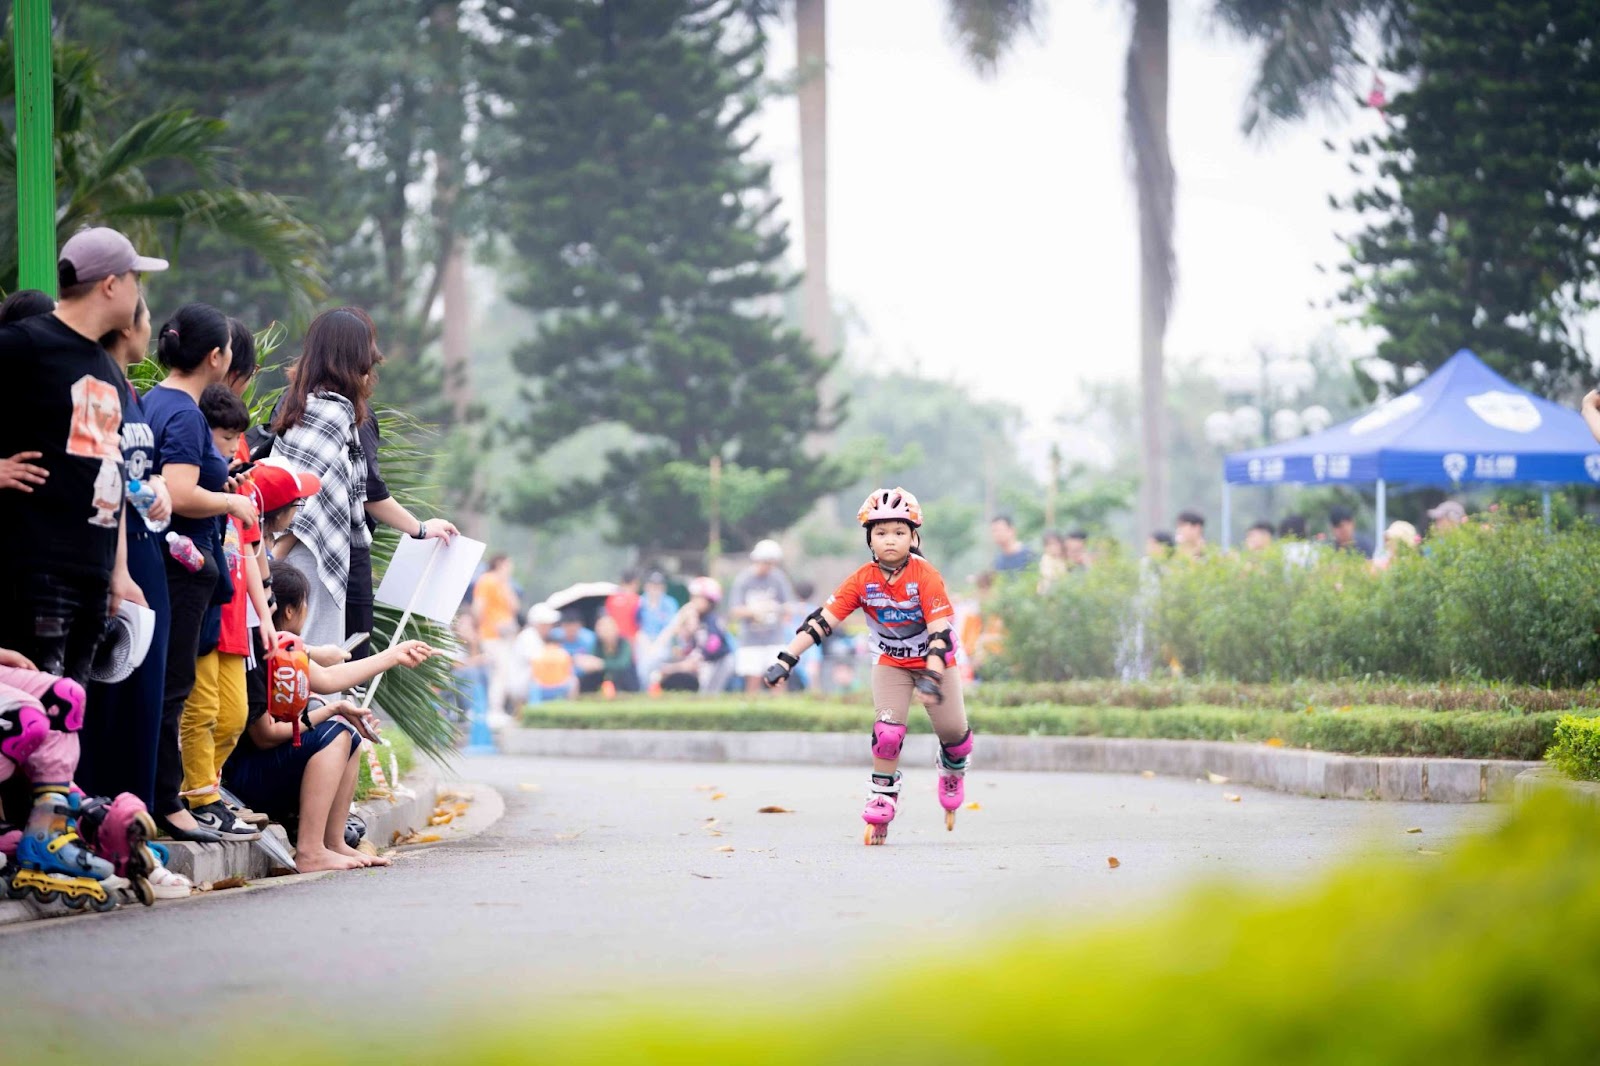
[272, 486]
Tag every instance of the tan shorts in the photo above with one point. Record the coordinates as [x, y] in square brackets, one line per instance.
[893, 694]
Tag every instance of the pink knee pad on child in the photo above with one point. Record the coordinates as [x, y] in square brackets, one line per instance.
[62, 698]
[23, 727]
[961, 748]
[887, 738]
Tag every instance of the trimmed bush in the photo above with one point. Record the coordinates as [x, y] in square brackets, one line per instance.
[1575, 747]
[1286, 696]
[1349, 730]
[1499, 600]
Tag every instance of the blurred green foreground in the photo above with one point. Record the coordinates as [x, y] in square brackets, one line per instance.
[1489, 953]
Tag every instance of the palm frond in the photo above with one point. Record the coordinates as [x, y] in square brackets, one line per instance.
[984, 30]
[165, 136]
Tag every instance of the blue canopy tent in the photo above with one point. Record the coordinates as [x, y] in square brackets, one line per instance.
[1463, 425]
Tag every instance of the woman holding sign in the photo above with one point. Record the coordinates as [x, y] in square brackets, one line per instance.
[384, 509]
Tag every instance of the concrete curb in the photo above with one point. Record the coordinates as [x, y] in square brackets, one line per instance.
[1540, 779]
[214, 862]
[1311, 773]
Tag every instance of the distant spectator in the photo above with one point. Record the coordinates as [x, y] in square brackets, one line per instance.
[1159, 546]
[979, 638]
[1190, 535]
[552, 675]
[1342, 529]
[1011, 555]
[616, 655]
[760, 595]
[657, 609]
[580, 643]
[1076, 545]
[622, 606]
[494, 601]
[1447, 516]
[703, 661]
[1293, 527]
[1297, 549]
[1399, 539]
[808, 673]
[1258, 537]
[1053, 561]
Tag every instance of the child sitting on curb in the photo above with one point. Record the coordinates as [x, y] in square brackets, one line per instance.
[318, 778]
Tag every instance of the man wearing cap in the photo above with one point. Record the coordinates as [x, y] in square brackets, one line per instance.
[62, 546]
[758, 601]
[1447, 516]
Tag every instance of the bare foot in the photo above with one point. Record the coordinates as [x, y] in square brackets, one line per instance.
[309, 861]
[342, 848]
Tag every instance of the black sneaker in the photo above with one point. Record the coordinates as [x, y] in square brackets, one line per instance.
[217, 818]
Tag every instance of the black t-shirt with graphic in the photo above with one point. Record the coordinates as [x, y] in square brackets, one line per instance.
[66, 401]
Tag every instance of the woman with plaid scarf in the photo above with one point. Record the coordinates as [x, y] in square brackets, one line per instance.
[316, 429]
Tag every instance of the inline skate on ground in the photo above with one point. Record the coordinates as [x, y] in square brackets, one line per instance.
[880, 808]
[52, 862]
[953, 759]
[119, 831]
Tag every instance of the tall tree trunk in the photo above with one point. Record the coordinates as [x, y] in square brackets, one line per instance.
[811, 26]
[1145, 94]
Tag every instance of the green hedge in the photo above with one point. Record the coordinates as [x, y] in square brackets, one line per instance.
[1285, 696]
[1498, 601]
[1350, 730]
[1575, 747]
[1478, 952]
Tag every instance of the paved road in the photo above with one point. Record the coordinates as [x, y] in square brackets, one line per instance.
[605, 879]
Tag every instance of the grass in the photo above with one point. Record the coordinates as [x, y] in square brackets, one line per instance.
[1354, 730]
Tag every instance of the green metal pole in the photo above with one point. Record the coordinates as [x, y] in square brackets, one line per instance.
[36, 156]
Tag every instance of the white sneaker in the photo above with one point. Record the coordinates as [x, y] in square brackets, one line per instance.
[164, 884]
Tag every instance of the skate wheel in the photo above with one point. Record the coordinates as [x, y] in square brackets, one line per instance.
[142, 890]
[75, 903]
[875, 834]
[45, 895]
[14, 892]
[949, 820]
[104, 905]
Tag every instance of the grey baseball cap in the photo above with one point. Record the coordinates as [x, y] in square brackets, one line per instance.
[1449, 509]
[101, 252]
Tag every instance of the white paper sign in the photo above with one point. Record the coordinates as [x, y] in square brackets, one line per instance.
[430, 577]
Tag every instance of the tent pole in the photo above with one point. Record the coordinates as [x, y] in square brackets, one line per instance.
[1381, 550]
[1544, 502]
[1227, 514]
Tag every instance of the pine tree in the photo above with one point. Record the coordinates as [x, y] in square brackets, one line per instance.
[1482, 231]
[644, 233]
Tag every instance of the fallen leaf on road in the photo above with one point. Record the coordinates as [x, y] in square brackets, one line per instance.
[1216, 779]
[528, 786]
[441, 818]
[1232, 797]
[569, 836]
[974, 806]
[223, 885]
[1113, 862]
[703, 877]
[1415, 829]
[705, 788]
[773, 810]
[724, 847]
[1147, 773]
[1274, 742]
[415, 837]
[446, 799]
[719, 795]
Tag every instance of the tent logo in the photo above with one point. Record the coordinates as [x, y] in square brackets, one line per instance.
[1319, 466]
[1591, 466]
[1396, 408]
[1510, 411]
[1455, 464]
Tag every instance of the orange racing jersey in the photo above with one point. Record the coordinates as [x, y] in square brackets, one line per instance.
[897, 611]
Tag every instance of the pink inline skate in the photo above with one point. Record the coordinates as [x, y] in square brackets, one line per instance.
[119, 831]
[881, 807]
[953, 759]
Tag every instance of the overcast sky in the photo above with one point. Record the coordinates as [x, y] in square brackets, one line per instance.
[986, 229]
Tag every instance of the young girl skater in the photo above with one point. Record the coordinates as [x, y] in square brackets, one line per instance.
[908, 615]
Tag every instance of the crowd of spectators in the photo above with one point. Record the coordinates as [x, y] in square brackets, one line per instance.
[131, 517]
